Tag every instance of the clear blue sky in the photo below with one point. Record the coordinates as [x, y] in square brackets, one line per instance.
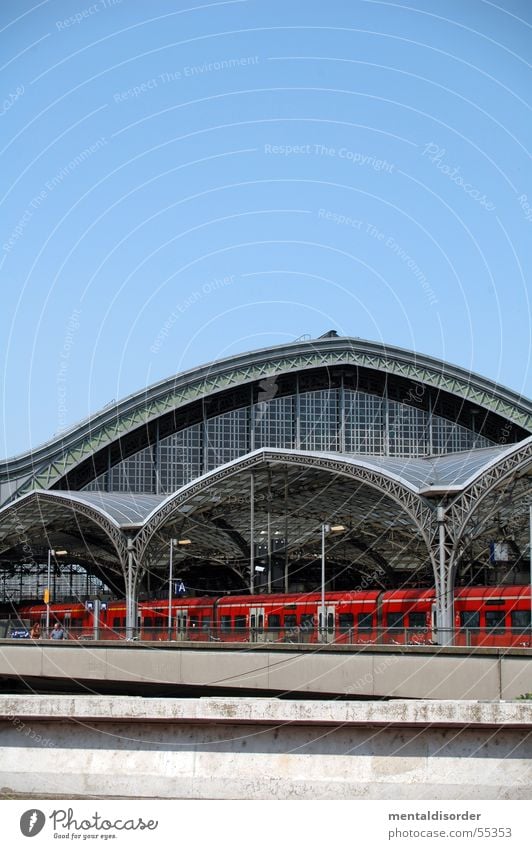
[182, 181]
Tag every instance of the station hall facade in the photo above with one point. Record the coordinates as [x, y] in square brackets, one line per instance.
[242, 462]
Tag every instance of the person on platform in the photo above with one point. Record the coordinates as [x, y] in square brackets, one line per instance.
[57, 632]
[35, 633]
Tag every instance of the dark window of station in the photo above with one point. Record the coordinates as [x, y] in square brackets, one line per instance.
[520, 619]
[274, 620]
[240, 623]
[365, 621]
[290, 620]
[225, 623]
[470, 619]
[148, 622]
[416, 620]
[495, 620]
[346, 622]
[395, 620]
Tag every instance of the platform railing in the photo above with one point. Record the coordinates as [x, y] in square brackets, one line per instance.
[468, 637]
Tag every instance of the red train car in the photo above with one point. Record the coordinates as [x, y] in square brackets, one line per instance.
[495, 616]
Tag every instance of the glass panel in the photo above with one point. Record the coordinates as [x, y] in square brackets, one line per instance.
[365, 621]
[395, 620]
[290, 620]
[470, 619]
[520, 619]
[495, 620]
[227, 437]
[417, 619]
[346, 622]
[319, 420]
[225, 623]
[274, 620]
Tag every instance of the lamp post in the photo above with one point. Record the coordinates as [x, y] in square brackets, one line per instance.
[47, 590]
[51, 553]
[325, 529]
[171, 579]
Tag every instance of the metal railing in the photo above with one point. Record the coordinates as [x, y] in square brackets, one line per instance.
[469, 637]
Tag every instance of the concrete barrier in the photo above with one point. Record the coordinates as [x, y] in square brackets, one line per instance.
[400, 672]
[94, 746]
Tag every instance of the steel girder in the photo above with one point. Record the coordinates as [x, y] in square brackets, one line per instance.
[417, 508]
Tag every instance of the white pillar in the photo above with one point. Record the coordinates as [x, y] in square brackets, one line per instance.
[131, 600]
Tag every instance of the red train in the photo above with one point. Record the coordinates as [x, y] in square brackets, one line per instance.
[497, 616]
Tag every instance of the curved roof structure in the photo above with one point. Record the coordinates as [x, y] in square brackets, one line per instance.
[276, 442]
[132, 424]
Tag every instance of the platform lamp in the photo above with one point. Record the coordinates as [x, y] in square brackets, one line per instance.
[171, 579]
[51, 553]
[326, 528]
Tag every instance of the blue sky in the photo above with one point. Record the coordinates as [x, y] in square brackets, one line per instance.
[182, 181]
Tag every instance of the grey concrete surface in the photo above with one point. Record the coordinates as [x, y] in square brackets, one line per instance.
[105, 747]
[420, 673]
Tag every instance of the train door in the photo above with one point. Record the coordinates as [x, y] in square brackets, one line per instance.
[256, 624]
[326, 624]
[181, 623]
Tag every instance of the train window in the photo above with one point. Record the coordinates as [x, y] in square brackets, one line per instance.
[330, 623]
[77, 623]
[290, 620]
[520, 619]
[365, 621]
[345, 622]
[307, 621]
[416, 620]
[148, 622]
[159, 621]
[470, 619]
[274, 620]
[225, 623]
[495, 620]
[207, 621]
[240, 622]
[395, 620]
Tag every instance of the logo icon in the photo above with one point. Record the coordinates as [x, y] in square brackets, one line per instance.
[32, 822]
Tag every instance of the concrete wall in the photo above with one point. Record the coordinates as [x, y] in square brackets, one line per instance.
[422, 673]
[261, 748]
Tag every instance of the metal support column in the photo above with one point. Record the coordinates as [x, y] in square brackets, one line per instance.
[252, 534]
[131, 599]
[444, 595]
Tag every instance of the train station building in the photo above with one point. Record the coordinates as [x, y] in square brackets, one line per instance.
[411, 471]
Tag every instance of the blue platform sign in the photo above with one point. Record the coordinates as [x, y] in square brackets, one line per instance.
[180, 588]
